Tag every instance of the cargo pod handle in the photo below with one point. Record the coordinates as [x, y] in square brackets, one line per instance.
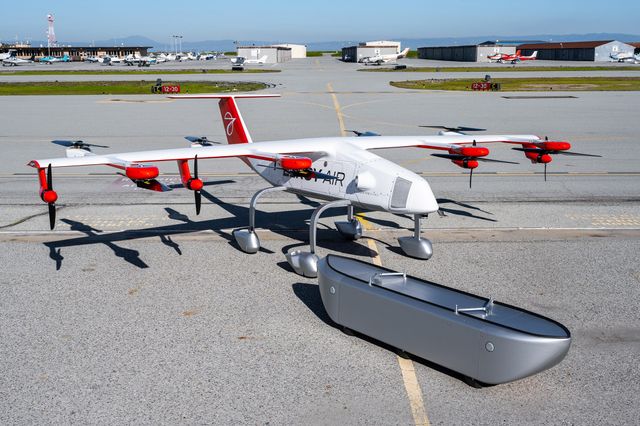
[486, 310]
[387, 274]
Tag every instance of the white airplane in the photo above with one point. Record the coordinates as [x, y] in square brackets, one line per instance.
[341, 170]
[383, 59]
[9, 54]
[256, 61]
[141, 61]
[622, 57]
[13, 61]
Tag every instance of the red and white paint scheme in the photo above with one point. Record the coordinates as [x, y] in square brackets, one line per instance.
[504, 58]
[337, 169]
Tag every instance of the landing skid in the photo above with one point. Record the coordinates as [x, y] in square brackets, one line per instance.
[247, 239]
[305, 263]
[351, 229]
[416, 246]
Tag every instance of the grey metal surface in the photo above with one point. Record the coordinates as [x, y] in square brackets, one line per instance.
[247, 239]
[419, 317]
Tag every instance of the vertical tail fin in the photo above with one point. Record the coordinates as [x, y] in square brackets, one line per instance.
[232, 121]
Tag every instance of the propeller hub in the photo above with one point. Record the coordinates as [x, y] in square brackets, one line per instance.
[544, 158]
[49, 196]
[195, 184]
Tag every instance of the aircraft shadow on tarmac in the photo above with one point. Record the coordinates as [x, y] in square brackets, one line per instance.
[280, 222]
[309, 294]
[287, 223]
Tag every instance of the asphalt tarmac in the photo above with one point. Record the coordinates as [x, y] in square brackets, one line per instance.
[136, 310]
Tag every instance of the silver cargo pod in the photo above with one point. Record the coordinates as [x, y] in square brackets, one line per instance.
[488, 341]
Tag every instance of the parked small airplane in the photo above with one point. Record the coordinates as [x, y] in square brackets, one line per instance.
[6, 55]
[341, 170]
[256, 61]
[52, 59]
[622, 57]
[13, 61]
[517, 57]
[141, 61]
[383, 59]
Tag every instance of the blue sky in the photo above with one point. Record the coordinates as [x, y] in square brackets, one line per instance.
[310, 21]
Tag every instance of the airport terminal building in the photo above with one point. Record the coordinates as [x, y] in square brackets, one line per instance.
[77, 53]
[594, 51]
[468, 53]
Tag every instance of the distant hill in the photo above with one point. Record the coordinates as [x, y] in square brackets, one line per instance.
[414, 43]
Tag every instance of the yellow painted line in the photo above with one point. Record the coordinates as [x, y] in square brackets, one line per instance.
[413, 391]
[407, 368]
[336, 105]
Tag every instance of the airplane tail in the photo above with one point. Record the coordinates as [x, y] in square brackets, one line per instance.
[232, 121]
[263, 59]
[404, 53]
[535, 54]
[518, 52]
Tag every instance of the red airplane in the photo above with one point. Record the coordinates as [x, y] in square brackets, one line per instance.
[517, 57]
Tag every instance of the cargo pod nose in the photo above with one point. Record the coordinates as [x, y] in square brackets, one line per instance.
[506, 355]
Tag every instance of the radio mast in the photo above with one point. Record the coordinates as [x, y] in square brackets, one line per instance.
[51, 35]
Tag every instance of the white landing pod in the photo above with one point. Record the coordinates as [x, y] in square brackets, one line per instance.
[488, 342]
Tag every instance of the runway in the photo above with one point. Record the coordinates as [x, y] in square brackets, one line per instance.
[136, 310]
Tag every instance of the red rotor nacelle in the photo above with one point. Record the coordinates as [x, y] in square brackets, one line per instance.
[470, 151]
[142, 172]
[538, 157]
[295, 163]
[554, 146]
[466, 163]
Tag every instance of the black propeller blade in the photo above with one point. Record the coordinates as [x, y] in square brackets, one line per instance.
[77, 144]
[456, 129]
[200, 140]
[52, 206]
[462, 157]
[542, 151]
[367, 133]
[575, 154]
[197, 195]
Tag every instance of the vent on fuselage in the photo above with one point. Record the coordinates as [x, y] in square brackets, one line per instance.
[400, 193]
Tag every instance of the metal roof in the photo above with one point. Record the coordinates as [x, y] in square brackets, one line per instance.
[565, 45]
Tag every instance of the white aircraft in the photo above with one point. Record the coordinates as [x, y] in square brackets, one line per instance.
[9, 54]
[341, 170]
[13, 61]
[256, 61]
[622, 57]
[383, 59]
[141, 61]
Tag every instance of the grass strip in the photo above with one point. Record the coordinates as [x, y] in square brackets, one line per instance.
[504, 68]
[122, 87]
[560, 84]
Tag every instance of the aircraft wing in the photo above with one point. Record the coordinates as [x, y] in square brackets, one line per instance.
[438, 141]
[264, 150]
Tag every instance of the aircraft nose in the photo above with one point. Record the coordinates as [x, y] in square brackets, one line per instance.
[421, 199]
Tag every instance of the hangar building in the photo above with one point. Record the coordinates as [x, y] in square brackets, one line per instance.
[78, 53]
[468, 53]
[368, 49]
[274, 54]
[297, 50]
[596, 51]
